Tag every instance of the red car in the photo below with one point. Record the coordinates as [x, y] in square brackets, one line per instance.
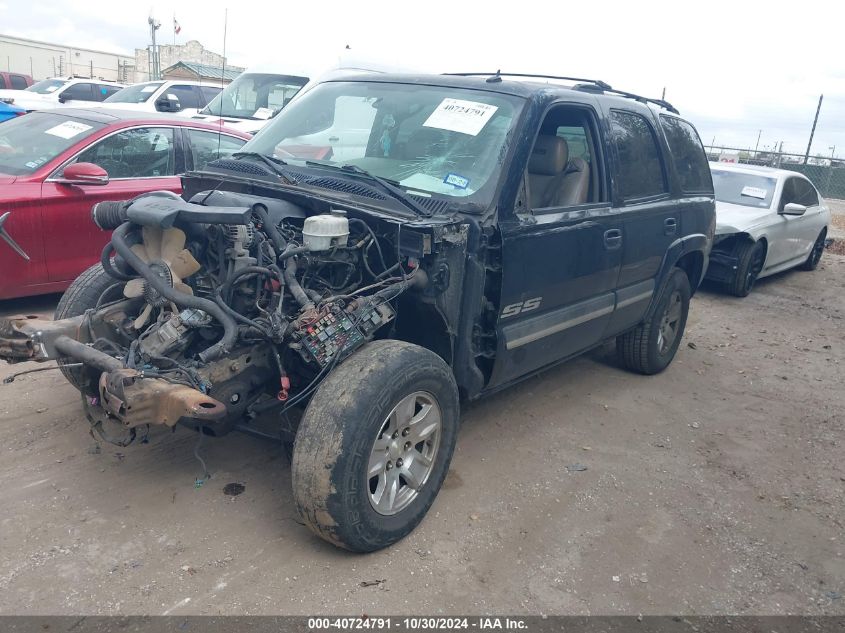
[56, 164]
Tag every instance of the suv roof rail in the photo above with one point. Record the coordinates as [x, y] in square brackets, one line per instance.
[584, 85]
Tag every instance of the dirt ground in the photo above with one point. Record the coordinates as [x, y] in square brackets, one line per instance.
[716, 487]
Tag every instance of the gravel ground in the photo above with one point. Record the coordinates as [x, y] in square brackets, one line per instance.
[714, 488]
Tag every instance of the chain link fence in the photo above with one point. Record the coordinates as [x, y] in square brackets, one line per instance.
[826, 173]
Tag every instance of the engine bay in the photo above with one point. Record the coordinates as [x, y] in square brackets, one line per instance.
[216, 315]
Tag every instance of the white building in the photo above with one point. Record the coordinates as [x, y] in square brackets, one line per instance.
[42, 59]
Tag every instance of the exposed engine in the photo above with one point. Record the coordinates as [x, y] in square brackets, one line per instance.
[226, 312]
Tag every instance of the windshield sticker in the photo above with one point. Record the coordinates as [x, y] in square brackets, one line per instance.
[263, 113]
[456, 181]
[149, 88]
[754, 192]
[68, 129]
[457, 115]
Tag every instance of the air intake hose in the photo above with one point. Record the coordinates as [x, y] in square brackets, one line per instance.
[230, 328]
[109, 214]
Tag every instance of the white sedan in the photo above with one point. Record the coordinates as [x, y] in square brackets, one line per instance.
[767, 220]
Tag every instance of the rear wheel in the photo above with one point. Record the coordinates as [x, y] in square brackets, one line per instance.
[92, 286]
[374, 445]
[649, 348]
[815, 255]
[752, 256]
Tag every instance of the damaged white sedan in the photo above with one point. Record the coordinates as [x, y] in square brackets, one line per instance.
[767, 221]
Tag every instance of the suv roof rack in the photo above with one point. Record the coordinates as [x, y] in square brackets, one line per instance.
[585, 85]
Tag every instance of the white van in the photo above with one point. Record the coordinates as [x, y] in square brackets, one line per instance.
[170, 95]
[255, 96]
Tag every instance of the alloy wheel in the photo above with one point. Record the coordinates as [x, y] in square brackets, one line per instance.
[404, 453]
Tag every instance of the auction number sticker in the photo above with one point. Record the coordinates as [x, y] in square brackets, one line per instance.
[68, 129]
[754, 192]
[458, 115]
[263, 113]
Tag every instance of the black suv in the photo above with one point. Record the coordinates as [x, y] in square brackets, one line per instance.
[385, 247]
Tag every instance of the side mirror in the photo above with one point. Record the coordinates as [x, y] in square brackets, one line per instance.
[62, 99]
[84, 174]
[168, 103]
[793, 208]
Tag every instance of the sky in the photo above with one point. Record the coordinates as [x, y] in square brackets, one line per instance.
[736, 68]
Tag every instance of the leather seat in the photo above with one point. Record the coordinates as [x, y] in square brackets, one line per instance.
[553, 179]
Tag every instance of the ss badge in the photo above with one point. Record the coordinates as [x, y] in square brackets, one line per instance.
[523, 306]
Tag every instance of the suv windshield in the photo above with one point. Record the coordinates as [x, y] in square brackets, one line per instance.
[255, 96]
[28, 142]
[47, 86]
[747, 190]
[139, 93]
[433, 139]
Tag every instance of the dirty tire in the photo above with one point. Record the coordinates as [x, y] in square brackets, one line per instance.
[815, 255]
[336, 438]
[640, 350]
[82, 294]
[752, 256]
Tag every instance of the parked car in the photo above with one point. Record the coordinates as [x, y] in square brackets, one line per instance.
[481, 230]
[254, 97]
[54, 165]
[767, 221]
[14, 81]
[60, 91]
[164, 96]
[9, 111]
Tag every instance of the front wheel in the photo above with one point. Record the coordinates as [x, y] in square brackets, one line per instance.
[752, 256]
[374, 445]
[92, 288]
[649, 348]
[815, 255]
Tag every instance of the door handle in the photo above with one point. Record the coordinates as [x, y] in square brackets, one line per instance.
[670, 226]
[612, 239]
[333, 139]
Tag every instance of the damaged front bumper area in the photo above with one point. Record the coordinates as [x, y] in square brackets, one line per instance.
[131, 397]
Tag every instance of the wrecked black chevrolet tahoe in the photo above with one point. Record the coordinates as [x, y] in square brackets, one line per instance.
[385, 248]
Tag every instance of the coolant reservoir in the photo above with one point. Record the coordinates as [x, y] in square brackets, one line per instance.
[323, 232]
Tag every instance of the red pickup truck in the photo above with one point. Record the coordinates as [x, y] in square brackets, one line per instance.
[14, 81]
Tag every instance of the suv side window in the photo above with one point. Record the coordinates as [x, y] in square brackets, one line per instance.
[687, 154]
[187, 96]
[208, 93]
[137, 153]
[640, 170]
[81, 92]
[563, 169]
[18, 82]
[104, 91]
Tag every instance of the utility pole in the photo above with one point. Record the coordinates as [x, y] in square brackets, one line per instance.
[155, 70]
[813, 131]
[759, 134]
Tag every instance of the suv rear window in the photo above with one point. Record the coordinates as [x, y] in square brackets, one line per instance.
[640, 169]
[687, 154]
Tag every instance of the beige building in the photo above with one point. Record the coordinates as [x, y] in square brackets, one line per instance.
[42, 60]
[191, 52]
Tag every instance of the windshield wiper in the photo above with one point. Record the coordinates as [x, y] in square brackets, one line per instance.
[271, 161]
[391, 187]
